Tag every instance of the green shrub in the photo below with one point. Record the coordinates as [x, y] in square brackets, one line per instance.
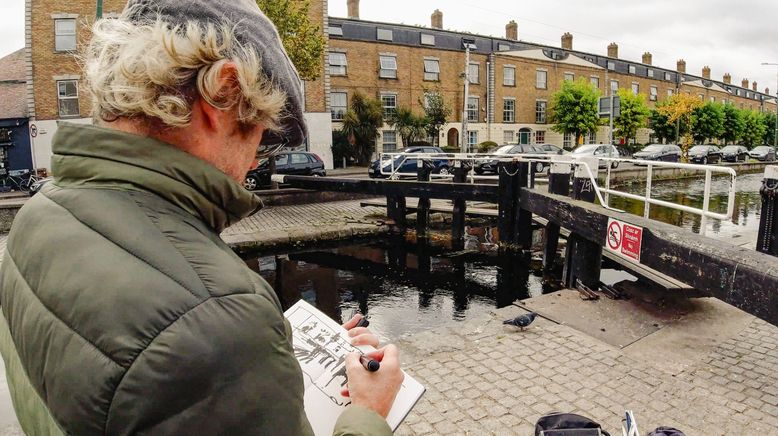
[486, 146]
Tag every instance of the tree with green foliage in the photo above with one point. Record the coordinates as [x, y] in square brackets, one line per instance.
[437, 113]
[409, 126]
[362, 125]
[574, 109]
[633, 116]
[664, 130]
[733, 124]
[769, 134]
[708, 122]
[754, 128]
[302, 39]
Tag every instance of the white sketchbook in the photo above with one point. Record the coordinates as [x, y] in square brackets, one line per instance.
[321, 346]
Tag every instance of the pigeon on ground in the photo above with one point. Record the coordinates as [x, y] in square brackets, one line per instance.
[522, 321]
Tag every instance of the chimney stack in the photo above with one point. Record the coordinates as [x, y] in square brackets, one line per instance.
[754, 86]
[353, 9]
[512, 31]
[613, 50]
[706, 72]
[437, 19]
[767, 91]
[567, 41]
[744, 83]
[647, 58]
[728, 79]
[681, 66]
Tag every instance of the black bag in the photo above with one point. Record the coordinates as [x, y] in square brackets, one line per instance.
[666, 431]
[567, 424]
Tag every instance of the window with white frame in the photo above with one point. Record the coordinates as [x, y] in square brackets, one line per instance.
[431, 70]
[632, 69]
[669, 92]
[473, 73]
[384, 35]
[65, 34]
[473, 107]
[567, 140]
[427, 39]
[388, 67]
[541, 79]
[390, 141]
[509, 76]
[540, 136]
[569, 77]
[508, 136]
[540, 111]
[389, 103]
[508, 110]
[503, 47]
[713, 99]
[595, 81]
[338, 64]
[592, 137]
[472, 139]
[67, 95]
[335, 31]
[635, 88]
[611, 65]
[614, 86]
[668, 77]
[338, 105]
[702, 97]
[650, 73]
[652, 93]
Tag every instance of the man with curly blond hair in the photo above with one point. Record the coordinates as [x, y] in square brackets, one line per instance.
[123, 311]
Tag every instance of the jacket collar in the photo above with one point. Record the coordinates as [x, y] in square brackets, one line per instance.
[91, 156]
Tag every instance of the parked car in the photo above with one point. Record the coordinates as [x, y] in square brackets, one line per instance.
[659, 152]
[764, 153]
[734, 153]
[406, 165]
[490, 165]
[297, 163]
[598, 151]
[705, 154]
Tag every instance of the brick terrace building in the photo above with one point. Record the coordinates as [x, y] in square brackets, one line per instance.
[512, 81]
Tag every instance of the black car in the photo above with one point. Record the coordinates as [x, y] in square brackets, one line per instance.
[763, 153]
[490, 165]
[705, 154]
[297, 163]
[409, 166]
[734, 153]
[659, 152]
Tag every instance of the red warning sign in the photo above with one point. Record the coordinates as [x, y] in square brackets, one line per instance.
[624, 239]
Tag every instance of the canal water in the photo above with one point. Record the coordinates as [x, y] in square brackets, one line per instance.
[405, 288]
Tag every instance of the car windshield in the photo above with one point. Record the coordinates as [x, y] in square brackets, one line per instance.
[585, 149]
[699, 149]
[654, 148]
[762, 149]
[504, 149]
[730, 148]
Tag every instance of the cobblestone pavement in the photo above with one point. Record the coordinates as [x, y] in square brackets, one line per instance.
[484, 379]
[280, 225]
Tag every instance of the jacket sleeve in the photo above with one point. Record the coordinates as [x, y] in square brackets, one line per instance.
[225, 367]
[357, 421]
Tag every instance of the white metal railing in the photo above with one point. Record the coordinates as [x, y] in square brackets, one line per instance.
[394, 161]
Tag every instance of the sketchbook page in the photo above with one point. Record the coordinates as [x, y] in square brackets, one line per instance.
[410, 393]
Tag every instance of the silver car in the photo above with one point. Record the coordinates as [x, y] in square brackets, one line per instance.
[598, 151]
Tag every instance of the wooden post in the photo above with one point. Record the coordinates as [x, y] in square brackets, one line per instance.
[506, 214]
[523, 223]
[396, 211]
[558, 183]
[767, 240]
[461, 169]
[583, 260]
[582, 184]
[423, 173]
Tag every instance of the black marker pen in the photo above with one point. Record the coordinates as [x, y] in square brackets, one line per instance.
[371, 365]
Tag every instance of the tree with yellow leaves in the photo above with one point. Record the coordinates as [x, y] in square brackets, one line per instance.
[679, 109]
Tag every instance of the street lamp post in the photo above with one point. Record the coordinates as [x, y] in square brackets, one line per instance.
[775, 123]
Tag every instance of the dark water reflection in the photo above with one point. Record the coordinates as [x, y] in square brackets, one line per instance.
[690, 192]
[403, 287]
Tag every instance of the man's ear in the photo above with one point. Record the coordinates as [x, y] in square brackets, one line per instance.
[217, 109]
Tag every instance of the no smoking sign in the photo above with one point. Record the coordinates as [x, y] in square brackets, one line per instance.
[624, 239]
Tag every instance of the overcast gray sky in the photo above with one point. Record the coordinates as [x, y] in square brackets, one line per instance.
[734, 37]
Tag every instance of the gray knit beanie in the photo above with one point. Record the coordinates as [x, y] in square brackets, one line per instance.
[252, 29]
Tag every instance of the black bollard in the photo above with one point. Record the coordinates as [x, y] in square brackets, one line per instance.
[582, 184]
[558, 183]
[506, 214]
[396, 211]
[461, 169]
[523, 223]
[767, 240]
[423, 173]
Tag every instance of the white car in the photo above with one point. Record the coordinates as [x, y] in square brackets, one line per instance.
[598, 151]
